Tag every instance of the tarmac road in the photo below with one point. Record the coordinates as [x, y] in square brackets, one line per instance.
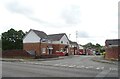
[79, 66]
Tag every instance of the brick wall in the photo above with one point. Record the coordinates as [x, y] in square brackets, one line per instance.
[73, 50]
[36, 47]
[15, 53]
[112, 53]
[57, 47]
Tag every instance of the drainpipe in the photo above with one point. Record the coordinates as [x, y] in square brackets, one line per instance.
[74, 50]
[40, 47]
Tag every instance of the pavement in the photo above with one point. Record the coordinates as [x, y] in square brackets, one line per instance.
[41, 59]
[96, 59]
[102, 60]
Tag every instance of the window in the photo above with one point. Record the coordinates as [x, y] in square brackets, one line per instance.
[44, 40]
[43, 50]
[61, 49]
[61, 42]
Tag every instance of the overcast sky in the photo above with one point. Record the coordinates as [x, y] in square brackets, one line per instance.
[93, 20]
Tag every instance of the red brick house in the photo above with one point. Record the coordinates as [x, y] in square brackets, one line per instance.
[37, 42]
[112, 49]
[60, 42]
[74, 48]
[81, 50]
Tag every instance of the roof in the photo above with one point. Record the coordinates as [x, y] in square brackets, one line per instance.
[71, 42]
[52, 37]
[113, 42]
[41, 34]
[56, 37]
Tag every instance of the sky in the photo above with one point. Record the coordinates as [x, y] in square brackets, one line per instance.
[82, 20]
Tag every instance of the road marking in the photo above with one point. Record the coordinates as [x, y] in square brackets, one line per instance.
[97, 68]
[86, 67]
[24, 62]
[90, 66]
[116, 69]
[72, 66]
[80, 66]
[56, 64]
[64, 65]
[102, 68]
[103, 73]
[31, 62]
[36, 63]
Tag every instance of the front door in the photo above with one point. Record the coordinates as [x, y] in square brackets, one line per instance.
[49, 51]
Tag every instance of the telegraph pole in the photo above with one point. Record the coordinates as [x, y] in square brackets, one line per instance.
[76, 35]
[69, 36]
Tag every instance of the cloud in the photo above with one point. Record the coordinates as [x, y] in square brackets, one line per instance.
[71, 15]
[38, 20]
[119, 16]
[83, 34]
[119, 19]
[18, 8]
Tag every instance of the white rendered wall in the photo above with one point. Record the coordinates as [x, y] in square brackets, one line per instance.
[64, 39]
[31, 38]
[55, 42]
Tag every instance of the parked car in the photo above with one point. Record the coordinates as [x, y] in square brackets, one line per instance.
[97, 53]
[60, 53]
[81, 52]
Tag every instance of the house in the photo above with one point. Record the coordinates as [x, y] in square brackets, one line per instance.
[73, 47]
[37, 42]
[112, 48]
[81, 49]
[60, 42]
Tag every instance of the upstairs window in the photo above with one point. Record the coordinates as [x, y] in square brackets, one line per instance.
[44, 40]
[43, 50]
[61, 42]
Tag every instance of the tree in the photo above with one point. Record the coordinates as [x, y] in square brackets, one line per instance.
[12, 39]
[97, 46]
[0, 44]
[89, 45]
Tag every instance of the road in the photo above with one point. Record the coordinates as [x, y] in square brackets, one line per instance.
[79, 66]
